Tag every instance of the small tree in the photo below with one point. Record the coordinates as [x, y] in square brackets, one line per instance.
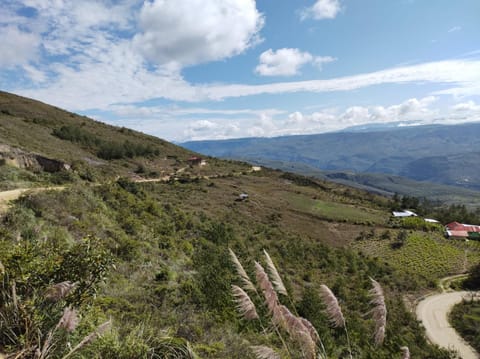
[400, 240]
[473, 280]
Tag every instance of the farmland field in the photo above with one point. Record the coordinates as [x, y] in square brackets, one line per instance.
[430, 257]
[336, 211]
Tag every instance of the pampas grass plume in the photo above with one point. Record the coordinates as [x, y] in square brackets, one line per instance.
[59, 291]
[379, 311]
[271, 298]
[296, 328]
[334, 311]
[276, 279]
[405, 352]
[245, 305]
[69, 320]
[311, 330]
[264, 352]
[246, 282]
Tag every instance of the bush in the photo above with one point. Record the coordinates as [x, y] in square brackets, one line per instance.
[473, 280]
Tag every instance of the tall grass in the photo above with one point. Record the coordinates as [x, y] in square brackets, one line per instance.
[301, 334]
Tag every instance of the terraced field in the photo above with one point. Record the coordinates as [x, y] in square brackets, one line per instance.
[425, 255]
[336, 211]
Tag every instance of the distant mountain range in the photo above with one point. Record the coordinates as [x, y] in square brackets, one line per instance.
[440, 154]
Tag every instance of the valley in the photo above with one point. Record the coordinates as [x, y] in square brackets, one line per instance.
[146, 238]
[433, 161]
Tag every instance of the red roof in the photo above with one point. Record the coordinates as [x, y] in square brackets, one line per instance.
[455, 226]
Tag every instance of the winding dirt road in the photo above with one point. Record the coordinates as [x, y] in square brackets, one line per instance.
[433, 312]
[7, 196]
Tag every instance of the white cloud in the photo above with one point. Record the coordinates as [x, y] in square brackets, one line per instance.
[333, 120]
[187, 32]
[202, 125]
[464, 74]
[466, 106]
[131, 111]
[90, 86]
[322, 9]
[34, 74]
[287, 62]
[102, 66]
[198, 130]
[183, 124]
[455, 29]
[17, 47]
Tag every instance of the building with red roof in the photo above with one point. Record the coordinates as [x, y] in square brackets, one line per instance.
[460, 230]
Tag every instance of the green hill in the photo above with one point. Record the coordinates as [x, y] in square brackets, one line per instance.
[137, 237]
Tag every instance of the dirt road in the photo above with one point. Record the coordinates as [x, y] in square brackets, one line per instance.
[433, 312]
[7, 196]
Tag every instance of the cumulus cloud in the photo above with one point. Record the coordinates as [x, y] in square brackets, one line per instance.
[287, 62]
[332, 119]
[322, 9]
[17, 47]
[187, 32]
[201, 129]
[466, 106]
[194, 123]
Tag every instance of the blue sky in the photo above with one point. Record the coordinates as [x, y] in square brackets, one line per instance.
[211, 69]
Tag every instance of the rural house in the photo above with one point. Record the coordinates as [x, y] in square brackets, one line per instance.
[194, 161]
[459, 230]
[404, 214]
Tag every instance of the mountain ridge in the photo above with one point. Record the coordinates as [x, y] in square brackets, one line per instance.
[442, 154]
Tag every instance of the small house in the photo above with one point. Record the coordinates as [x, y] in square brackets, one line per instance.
[195, 161]
[404, 214]
[464, 231]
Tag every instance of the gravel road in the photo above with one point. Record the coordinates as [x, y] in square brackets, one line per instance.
[433, 312]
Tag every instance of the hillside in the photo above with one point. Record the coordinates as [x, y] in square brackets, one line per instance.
[438, 154]
[385, 184]
[91, 148]
[140, 241]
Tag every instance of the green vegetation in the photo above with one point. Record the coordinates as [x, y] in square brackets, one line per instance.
[106, 150]
[465, 318]
[472, 282]
[425, 257]
[152, 258]
[338, 211]
[416, 223]
[12, 177]
[171, 262]
[78, 135]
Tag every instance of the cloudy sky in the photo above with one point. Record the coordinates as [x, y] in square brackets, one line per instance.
[210, 69]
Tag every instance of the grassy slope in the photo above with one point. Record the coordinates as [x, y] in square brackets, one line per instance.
[169, 244]
[384, 184]
[465, 318]
[29, 124]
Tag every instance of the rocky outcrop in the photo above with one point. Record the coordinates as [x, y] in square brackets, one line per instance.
[51, 165]
[16, 157]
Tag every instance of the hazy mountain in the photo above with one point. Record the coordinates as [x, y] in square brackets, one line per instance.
[436, 153]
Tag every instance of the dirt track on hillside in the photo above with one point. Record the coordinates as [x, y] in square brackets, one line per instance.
[433, 312]
[7, 196]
